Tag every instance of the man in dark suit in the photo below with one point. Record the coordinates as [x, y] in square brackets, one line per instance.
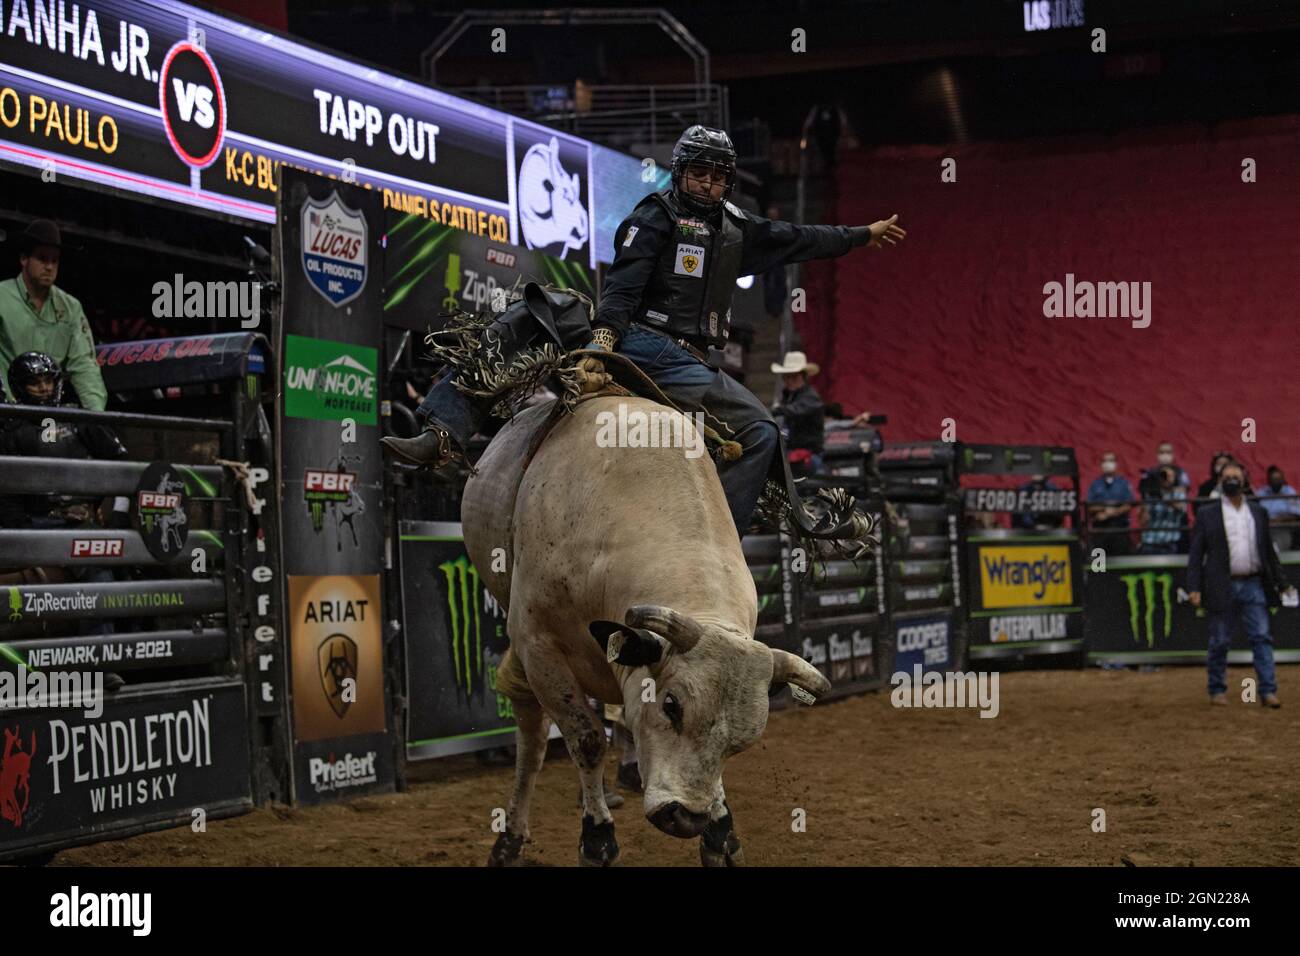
[1232, 567]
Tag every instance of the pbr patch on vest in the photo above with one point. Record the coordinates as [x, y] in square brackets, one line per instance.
[159, 511]
[334, 249]
[631, 234]
[694, 228]
[690, 260]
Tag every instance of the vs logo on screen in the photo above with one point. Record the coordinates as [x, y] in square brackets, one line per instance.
[193, 104]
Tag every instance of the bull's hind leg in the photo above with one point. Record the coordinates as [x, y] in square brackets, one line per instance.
[532, 727]
[558, 690]
[719, 845]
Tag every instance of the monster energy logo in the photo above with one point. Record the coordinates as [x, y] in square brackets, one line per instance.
[466, 623]
[1148, 580]
[15, 605]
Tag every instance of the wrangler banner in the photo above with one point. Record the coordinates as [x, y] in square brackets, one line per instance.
[1138, 612]
[331, 484]
[1026, 594]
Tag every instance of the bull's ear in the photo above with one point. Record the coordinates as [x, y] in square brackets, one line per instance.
[806, 682]
[630, 646]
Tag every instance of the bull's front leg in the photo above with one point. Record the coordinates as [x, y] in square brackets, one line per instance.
[531, 731]
[719, 845]
[558, 691]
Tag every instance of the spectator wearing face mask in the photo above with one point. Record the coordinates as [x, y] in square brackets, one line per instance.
[1110, 499]
[1210, 487]
[1165, 507]
[1282, 507]
[1165, 456]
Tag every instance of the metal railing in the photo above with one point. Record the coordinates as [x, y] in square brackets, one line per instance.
[1138, 539]
[623, 116]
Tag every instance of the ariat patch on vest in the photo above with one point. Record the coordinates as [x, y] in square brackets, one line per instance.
[690, 261]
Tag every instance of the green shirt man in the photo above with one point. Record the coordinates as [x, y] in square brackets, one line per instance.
[38, 316]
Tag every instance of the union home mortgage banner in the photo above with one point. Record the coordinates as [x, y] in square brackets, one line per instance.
[331, 483]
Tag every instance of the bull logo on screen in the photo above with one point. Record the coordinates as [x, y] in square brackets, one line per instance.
[331, 496]
[1148, 593]
[338, 664]
[334, 249]
[15, 777]
[193, 104]
[551, 211]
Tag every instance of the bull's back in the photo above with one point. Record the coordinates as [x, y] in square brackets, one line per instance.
[600, 528]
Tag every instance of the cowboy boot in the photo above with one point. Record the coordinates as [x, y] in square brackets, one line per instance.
[433, 447]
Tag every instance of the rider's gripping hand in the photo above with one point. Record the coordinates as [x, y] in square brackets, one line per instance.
[592, 376]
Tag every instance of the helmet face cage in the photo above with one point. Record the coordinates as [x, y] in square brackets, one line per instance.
[24, 372]
[695, 149]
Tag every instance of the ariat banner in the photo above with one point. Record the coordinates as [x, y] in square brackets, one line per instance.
[1025, 575]
[337, 656]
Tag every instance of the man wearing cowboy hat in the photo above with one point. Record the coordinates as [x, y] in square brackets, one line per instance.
[38, 316]
[801, 410]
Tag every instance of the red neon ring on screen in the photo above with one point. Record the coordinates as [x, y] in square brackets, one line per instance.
[207, 159]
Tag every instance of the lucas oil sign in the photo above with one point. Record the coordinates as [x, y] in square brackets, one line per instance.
[334, 249]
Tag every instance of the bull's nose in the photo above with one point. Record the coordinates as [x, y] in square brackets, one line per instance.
[675, 820]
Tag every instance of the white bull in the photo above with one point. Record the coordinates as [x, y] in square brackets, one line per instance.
[594, 536]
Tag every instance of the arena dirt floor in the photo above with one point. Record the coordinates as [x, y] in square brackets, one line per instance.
[1182, 783]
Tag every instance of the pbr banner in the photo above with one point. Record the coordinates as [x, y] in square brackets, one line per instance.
[67, 778]
[330, 262]
[455, 639]
[1138, 612]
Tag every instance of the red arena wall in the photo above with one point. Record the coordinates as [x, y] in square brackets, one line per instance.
[950, 323]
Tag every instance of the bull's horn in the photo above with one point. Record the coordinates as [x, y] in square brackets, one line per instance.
[679, 630]
[806, 682]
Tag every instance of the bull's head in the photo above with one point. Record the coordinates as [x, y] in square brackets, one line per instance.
[707, 699]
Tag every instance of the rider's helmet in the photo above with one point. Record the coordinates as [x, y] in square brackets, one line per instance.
[35, 379]
[703, 146]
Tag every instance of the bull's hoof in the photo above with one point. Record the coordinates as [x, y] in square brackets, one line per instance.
[507, 851]
[719, 845]
[597, 846]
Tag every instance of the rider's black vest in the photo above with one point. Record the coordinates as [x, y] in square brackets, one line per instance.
[689, 295]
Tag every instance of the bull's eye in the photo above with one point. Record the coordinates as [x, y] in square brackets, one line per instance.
[672, 709]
